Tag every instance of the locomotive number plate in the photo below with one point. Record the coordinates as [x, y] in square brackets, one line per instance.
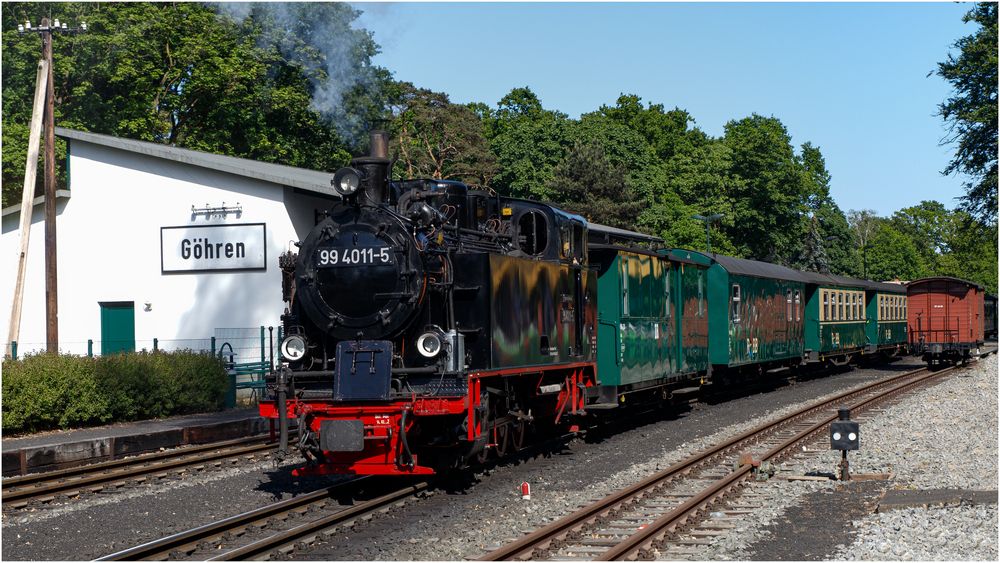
[335, 257]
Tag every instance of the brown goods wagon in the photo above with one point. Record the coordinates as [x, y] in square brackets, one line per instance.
[945, 317]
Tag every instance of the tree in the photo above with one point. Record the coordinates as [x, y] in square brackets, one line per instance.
[893, 256]
[528, 142]
[586, 182]
[256, 84]
[768, 198]
[971, 112]
[438, 139]
[864, 226]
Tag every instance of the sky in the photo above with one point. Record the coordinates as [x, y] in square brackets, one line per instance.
[851, 78]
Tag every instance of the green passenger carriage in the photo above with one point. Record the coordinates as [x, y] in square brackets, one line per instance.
[652, 318]
[755, 313]
[885, 326]
[836, 318]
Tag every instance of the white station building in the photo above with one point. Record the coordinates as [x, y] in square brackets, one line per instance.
[157, 242]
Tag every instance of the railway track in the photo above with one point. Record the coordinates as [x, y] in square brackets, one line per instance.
[30, 490]
[675, 510]
[280, 527]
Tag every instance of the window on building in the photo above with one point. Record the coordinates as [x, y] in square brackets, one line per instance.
[736, 303]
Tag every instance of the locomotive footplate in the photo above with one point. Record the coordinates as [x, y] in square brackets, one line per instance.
[364, 370]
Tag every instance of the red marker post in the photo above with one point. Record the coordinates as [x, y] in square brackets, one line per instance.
[525, 491]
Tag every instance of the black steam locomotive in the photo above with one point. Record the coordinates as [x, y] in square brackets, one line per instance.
[427, 320]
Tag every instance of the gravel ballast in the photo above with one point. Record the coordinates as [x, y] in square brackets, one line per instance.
[474, 517]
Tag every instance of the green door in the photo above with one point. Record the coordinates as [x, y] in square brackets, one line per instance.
[117, 327]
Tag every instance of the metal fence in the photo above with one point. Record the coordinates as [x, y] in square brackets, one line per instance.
[237, 345]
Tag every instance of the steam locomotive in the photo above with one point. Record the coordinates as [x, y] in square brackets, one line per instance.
[429, 324]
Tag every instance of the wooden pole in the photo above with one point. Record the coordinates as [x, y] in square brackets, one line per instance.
[51, 286]
[30, 170]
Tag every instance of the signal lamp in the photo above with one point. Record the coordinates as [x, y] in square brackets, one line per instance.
[346, 181]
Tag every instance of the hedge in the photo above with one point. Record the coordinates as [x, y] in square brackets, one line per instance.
[49, 391]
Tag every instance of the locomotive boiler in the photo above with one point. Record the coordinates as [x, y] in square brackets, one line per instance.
[428, 324]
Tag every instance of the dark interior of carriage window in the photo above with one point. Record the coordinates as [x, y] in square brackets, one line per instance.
[532, 230]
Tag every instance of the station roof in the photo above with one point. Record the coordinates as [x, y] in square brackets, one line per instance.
[314, 181]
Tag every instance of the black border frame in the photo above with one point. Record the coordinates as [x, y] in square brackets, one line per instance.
[203, 270]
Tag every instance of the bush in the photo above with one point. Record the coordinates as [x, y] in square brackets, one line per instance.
[48, 391]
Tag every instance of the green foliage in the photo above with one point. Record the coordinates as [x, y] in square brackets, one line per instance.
[893, 256]
[971, 111]
[48, 391]
[588, 183]
[528, 142]
[438, 139]
[768, 193]
[263, 84]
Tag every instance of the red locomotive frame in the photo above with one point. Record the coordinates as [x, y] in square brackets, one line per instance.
[384, 444]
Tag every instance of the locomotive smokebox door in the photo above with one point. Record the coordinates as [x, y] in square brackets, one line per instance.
[364, 370]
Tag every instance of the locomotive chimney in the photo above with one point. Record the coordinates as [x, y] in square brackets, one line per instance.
[379, 142]
[375, 170]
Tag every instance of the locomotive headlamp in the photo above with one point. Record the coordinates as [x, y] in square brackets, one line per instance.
[429, 344]
[346, 181]
[293, 348]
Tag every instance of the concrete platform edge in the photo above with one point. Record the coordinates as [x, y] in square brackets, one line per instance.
[35, 459]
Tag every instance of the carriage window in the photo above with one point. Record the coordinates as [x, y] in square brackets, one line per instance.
[798, 306]
[826, 305]
[701, 293]
[840, 305]
[788, 304]
[532, 232]
[624, 286]
[666, 292]
[881, 307]
[736, 303]
[854, 307]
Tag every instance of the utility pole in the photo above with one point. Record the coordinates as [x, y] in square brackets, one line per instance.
[708, 221]
[46, 30]
[27, 196]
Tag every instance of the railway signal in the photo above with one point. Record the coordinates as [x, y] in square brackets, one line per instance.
[845, 435]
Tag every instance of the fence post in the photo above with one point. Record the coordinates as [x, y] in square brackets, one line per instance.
[262, 356]
[156, 344]
[213, 345]
[90, 347]
[270, 346]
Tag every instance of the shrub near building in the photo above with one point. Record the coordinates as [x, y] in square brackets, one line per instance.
[44, 392]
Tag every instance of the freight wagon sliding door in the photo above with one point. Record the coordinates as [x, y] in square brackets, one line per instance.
[117, 327]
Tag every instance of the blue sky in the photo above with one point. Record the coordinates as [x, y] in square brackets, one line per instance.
[850, 78]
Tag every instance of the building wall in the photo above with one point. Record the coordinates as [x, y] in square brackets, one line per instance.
[109, 250]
